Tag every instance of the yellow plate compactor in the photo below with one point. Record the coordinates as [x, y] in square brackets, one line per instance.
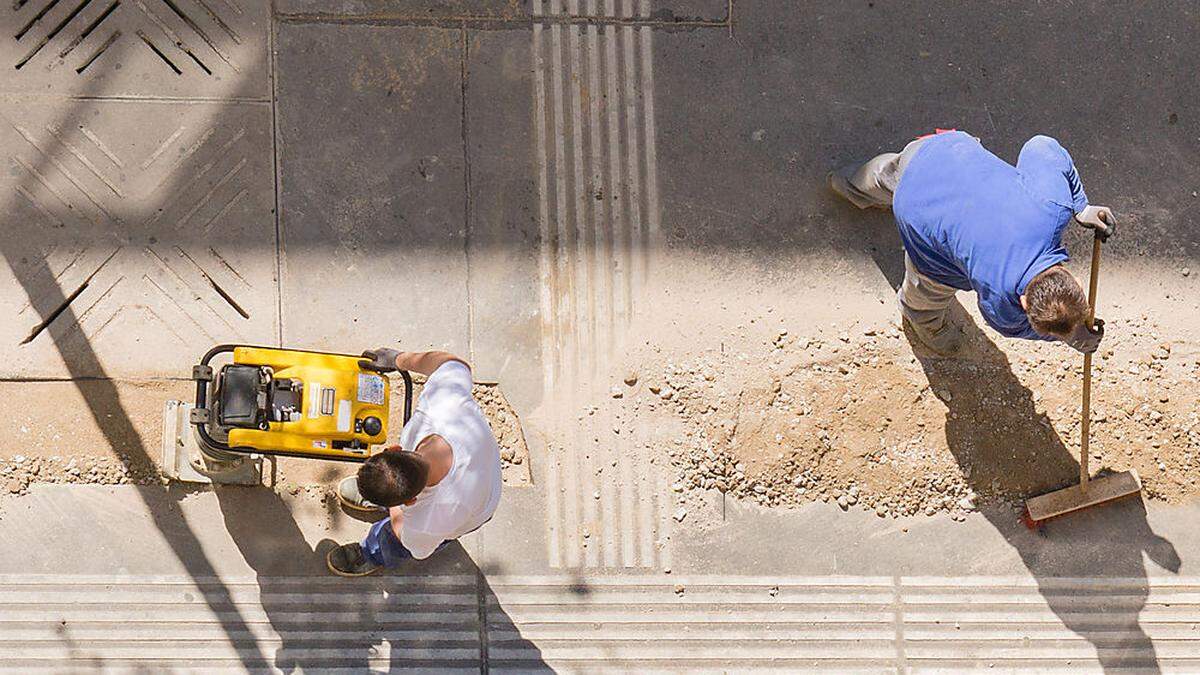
[255, 401]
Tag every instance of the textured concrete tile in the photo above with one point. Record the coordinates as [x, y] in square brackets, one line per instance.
[137, 235]
[160, 48]
[372, 187]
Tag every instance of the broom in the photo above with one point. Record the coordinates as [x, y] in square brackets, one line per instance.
[1089, 492]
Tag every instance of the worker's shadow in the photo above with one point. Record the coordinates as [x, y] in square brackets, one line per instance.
[321, 626]
[266, 533]
[1005, 446]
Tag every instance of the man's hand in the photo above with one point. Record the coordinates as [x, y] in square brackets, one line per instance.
[1100, 219]
[382, 360]
[1086, 340]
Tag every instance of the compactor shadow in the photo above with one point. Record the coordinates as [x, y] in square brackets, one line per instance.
[265, 531]
[1005, 446]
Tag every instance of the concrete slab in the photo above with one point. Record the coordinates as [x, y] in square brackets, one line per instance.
[265, 601]
[138, 234]
[504, 237]
[140, 48]
[667, 11]
[372, 187]
[765, 125]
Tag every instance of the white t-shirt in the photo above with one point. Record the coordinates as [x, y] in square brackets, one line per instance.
[470, 492]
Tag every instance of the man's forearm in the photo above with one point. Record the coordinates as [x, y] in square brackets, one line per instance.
[425, 362]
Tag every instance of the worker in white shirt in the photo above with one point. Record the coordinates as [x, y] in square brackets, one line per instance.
[442, 481]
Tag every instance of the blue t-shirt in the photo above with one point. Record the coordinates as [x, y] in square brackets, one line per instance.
[973, 221]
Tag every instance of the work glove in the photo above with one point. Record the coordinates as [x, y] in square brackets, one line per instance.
[1100, 219]
[1086, 340]
[382, 360]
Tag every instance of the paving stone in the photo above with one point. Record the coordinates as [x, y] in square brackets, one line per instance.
[138, 235]
[372, 187]
[157, 48]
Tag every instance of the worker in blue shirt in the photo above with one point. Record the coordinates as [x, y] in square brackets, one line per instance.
[971, 221]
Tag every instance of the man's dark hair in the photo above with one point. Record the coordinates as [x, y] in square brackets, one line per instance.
[392, 477]
[1056, 303]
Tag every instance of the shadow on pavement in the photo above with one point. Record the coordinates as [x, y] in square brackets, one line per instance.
[24, 249]
[343, 623]
[1005, 446]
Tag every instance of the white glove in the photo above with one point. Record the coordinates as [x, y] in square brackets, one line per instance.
[1098, 218]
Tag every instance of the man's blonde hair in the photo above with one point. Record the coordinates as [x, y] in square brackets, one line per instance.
[1055, 302]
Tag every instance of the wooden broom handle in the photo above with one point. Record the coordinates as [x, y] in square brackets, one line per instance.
[1086, 422]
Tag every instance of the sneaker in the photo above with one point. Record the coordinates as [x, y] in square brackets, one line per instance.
[349, 496]
[348, 560]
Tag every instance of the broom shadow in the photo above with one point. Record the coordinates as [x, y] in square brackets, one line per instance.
[1003, 444]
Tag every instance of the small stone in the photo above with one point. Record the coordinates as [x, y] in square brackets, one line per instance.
[616, 392]
[14, 486]
[679, 589]
[773, 591]
[677, 487]
[1185, 270]
[680, 514]
[843, 502]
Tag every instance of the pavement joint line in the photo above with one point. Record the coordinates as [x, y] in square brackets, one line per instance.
[898, 624]
[483, 22]
[273, 76]
[464, 74]
[131, 98]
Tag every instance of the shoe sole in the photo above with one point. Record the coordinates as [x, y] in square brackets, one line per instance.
[342, 573]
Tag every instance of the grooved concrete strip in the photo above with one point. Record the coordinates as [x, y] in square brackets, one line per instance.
[152, 48]
[571, 623]
[596, 148]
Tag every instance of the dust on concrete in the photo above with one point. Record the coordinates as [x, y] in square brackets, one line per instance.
[778, 407]
[862, 421]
